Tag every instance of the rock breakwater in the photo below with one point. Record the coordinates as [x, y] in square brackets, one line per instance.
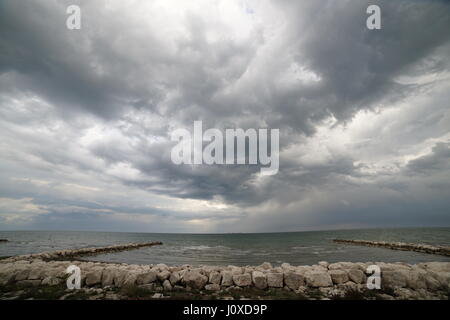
[424, 248]
[72, 253]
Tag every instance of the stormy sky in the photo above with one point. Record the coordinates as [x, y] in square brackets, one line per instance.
[86, 115]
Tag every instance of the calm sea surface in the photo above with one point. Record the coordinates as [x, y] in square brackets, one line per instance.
[296, 248]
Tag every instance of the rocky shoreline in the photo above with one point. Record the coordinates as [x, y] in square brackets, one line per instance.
[423, 248]
[36, 273]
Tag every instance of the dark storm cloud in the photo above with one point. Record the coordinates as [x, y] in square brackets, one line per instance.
[95, 107]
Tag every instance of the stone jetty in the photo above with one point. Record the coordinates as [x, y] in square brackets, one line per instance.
[320, 281]
[424, 248]
[72, 253]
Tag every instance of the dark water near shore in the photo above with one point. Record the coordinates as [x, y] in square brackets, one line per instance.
[296, 248]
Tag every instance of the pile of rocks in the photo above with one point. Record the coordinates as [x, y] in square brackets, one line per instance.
[420, 281]
[67, 254]
[425, 248]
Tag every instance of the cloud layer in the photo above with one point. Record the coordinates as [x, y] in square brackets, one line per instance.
[86, 115]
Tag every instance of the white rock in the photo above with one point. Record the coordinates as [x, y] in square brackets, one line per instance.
[318, 279]
[94, 277]
[293, 280]
[259, 279]
[51, 281]
[163, 275]
[338, 276]
[394, 279]
[227, 278]
[242, 280]
[357, 276]
[194, 279]
[167, 286]
[130, 279]
[275, 280]
[212, 287]
[215, 277]
[174, 278]
[266, 266]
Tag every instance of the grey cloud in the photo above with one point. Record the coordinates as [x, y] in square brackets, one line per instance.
[59, 89]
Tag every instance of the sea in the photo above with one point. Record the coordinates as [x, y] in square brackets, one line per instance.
[240, 249]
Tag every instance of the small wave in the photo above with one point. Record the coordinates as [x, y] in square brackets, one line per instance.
[203, 247]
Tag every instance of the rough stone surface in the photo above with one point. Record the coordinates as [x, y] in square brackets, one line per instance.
[93, 277]
[338, 276]
[318, 279]
[147, 277]
[275, 280]
[163, 275]
[227, 278]
[212, 287]
[259, 280]
[242, 280]
[294, 280]
[357, 276]
[174, 278]
[266, 266]
[215, 277]
[167, 286]
[195, 280]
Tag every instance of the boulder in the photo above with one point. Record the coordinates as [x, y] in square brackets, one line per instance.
[174, 278]
[167, 286]
[318, 279]
[275, 280]
[94, 277]
[194, 279]
[266, 266]
[163, 275]
[242, 280]
[437, 266]
[442, 277]
[119, 277]
[215, 277]
[356, 275]
[286, 266]
[212, 287]
[51, 281]
[394, 279]
[130, 279]
[108, 277]
[29, 283]
[338, 276]
[417, 279]
[343, 265]
[22, 274]
[36, 273]
[227, 278]
[236, 270]
[147, 277]
[432, 284]
[259, 279]
[294, 280]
